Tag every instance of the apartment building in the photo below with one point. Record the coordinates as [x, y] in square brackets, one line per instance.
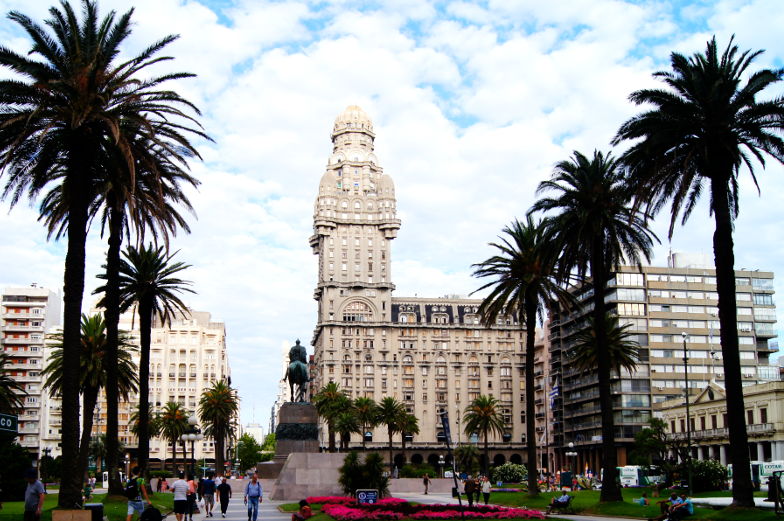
[666, 308]
[27, 314]
[432, 354]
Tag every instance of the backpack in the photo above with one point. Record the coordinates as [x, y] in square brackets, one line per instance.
[151, 514]
[132, 489]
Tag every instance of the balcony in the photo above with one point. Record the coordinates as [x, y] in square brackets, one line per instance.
[18, 327]
[760, 428]
[24, 314]
[22, 341]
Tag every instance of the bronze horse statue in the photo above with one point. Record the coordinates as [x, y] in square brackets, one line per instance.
[297, 372]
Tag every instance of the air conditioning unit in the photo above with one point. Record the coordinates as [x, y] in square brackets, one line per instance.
[659, 388]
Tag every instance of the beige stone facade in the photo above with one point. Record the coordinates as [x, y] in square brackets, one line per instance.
[432, 354]
[708, 420]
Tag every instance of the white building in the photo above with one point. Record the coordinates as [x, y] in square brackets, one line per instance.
[27, 314]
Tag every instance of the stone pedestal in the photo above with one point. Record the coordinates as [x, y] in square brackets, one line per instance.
[297, 432]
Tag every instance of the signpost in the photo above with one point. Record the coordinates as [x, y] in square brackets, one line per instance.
[8, 423]
[367, 496]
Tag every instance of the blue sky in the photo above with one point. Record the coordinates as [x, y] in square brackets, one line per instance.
[473, 104]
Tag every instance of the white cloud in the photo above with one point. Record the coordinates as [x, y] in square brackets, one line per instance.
[473, 103]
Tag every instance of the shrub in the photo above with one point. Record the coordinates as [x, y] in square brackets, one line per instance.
[160, 474]
[509, 473]
[355, 475]
[417, 471]
[707, 475]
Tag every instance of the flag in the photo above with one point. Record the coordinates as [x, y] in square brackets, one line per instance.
[555, 392]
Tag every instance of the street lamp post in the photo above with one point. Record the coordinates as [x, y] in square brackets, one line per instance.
[570, 454]
[688, 415]
[441, 463]
[127, 464]
[193, 435]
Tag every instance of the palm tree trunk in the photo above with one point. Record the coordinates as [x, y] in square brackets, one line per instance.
[219, 452]
[77, 189]
[610, 489]
[145, 331]
[331, 437]
[112, 319]
[89, 399]
[486, 462]
[174, 458]
[742, 489]
[391, 462]
[530, 406]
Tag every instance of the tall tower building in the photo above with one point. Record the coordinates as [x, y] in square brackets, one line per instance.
[431, 354]
[27, 314]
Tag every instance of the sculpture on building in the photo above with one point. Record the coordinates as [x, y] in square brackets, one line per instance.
[297, 373]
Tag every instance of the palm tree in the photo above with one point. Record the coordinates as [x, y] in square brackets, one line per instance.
[11, 391]
[148, 281]
[700, 131]
[218, 407]
[174, 423]
[347, 424]
[98, 451]
[483, 416]
[524, 282]
[365, 410]
[466, 458]
[53, 123]
[92, 373]
[389, 411]
[624, 352]
[408, 425]
[330, 402]
[153, 426]
[595, 229]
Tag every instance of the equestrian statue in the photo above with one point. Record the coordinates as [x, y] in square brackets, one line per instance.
[297, 373]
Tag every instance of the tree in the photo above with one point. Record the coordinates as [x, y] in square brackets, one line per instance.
[218, 408]
[700, 131]
[408, 425]
[389, 412]
[524, 282]
[153, 426]
[365, 410]
[466, 458]
[248, 451]
[595, 229]
[483, 417]
[624, 352]
[11, 391]
[174, 423]
[650, 444]
[347, 424]
[53, 123]
[330, 402]
[148, 281]
[98, 450]
[270, 442]
[92, 373]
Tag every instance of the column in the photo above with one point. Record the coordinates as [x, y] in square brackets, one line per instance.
[777, 449]
[723, 454]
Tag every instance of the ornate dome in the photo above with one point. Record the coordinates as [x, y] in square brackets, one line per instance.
[353, 119]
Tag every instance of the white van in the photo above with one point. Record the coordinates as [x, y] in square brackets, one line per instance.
[760, 472]
[637, 476]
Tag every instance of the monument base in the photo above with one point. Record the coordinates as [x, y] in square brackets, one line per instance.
[297, 432]
[306, 475]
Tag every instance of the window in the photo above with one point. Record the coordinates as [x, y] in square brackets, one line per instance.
[750, 416]
[357, 312]
[763, 299]
[763, 411]
[714, 423]
[626, 308]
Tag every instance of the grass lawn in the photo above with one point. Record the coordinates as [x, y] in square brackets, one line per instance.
[115, 507]
[587, 502]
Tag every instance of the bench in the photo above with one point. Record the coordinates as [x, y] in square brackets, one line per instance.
[561, 506]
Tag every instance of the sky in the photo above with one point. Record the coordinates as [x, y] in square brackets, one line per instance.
[473, 103]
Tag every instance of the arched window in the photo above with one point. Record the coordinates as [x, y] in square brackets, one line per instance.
[357, 311]
[440, 360]
[408, 360]
[357, 205]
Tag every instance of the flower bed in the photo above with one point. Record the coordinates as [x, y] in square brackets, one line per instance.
[506, 490]
[331, 500]
[394, 509]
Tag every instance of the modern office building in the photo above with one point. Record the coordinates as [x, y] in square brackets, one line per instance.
[667, 308]
[27, 315]
[431, 354]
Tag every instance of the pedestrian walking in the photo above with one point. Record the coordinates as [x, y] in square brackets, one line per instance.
[136, 492]
[253, 496]
[224, 494]
[191, 498]
[486, 489]
[34, 496]
[208, 494]
[180, 489]
[426, 482]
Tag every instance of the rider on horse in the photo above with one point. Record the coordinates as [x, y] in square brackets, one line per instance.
[297, 372]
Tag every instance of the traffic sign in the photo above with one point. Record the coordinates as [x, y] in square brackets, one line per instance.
[367, 496]
[8, 423]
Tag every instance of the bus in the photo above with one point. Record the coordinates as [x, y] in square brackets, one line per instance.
[760, 472]
[637, 476]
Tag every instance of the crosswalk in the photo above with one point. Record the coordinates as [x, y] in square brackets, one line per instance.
[237, 511]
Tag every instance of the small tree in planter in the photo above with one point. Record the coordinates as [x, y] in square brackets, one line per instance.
[356, 475]
[509, 473]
